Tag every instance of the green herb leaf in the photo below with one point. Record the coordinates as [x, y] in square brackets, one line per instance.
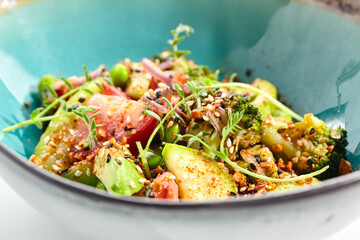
[35, 113]
[100, 87]
[179, 90]
[53, 93]
[86, 74]
[232, 77]
[67, 83]
[152, 114]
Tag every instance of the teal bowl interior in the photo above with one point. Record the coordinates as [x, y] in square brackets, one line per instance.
[311, 54]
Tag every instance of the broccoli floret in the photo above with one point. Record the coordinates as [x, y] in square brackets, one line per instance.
[309, 144]
[217, 104]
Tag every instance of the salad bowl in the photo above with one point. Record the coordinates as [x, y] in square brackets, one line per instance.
[308, 51]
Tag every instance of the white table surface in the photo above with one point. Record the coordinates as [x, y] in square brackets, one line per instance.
[20, 221]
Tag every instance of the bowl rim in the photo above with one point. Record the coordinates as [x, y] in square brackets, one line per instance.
[327, 186]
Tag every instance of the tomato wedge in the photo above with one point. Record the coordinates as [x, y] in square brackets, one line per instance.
[122, 119]
[164, 186]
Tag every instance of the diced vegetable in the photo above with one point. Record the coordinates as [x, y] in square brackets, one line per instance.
[119, 175]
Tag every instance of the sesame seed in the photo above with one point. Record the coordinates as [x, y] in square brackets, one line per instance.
[112, 132]
[148, 75]
[231, 150]
[88, 172]
[138, 168]
[78, 173]
[243, 189]
[55, 167]
[47, 139]
[312, 131]
[267, 187]
[205, 118]
[172, 177]
[108, 157]
[190, 103]
[252, 166]
[77, 147]
[170, 124]
[118, 161]
[108, 113]
[128, 119]
[310, 161]
[142, 180]
[132, 184]
[228, 142]
[82, 99]
[72, 132]
[211, 98]
[162, 85]
[217, 114]
[58, 162]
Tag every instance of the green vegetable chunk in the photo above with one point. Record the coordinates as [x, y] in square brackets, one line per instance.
[119, 175]
[170, 133]
[119, 75]
[198, 176]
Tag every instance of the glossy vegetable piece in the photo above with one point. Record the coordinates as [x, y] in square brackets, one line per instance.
[82, 172]
[170, 133]
[55, 143]
[119, 75]
[118, 174]
[198, 176]
[139, 83]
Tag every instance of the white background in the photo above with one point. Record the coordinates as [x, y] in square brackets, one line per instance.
[19, 221]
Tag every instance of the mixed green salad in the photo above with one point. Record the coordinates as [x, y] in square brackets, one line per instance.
[168, 128]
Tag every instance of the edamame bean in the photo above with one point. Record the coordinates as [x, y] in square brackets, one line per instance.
[120, 75]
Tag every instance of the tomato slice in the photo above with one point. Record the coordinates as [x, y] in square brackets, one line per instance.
[164, 186]
[122, 119]
[113, 91]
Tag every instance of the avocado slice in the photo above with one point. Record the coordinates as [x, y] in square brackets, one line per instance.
[119, 175]
[265, 106]
[198, 176]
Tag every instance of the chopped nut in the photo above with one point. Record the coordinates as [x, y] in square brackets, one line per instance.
[277, 148]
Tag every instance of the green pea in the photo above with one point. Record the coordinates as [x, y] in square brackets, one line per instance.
[120, 75]
[171, 133]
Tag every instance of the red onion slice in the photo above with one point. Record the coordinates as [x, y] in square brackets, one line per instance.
[166, 64]
[213, 122]
[155, 71]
